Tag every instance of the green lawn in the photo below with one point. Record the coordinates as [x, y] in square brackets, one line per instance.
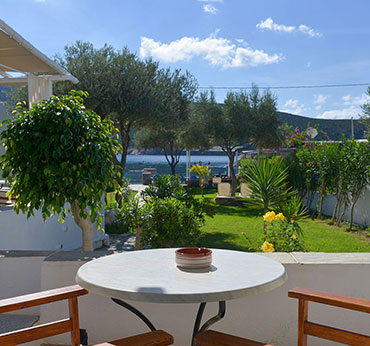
[225, 228]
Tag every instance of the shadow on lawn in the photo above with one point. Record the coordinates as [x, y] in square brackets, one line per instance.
[221, 240]
[247, 211]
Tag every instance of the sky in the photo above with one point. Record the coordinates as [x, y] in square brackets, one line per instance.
[224, 43]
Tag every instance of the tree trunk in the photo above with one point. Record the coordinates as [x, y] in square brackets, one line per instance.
[234, 181]
[86, 226]
[125, 138]
[172, 156]
[354, 201]
[339, 221]
[337, 204]
[322, 196]
[139, 233]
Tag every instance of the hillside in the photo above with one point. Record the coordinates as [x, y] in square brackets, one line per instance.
[334, 128]
[3, 90]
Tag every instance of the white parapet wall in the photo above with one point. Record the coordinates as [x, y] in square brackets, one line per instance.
[269, 317]
[19, 233]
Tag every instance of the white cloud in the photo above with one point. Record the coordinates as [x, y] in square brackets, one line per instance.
[211, 0]
[269, 24]
[308, 64]
[294, 107]
[320, 99]
[355, 100]
[217, 51]
[208, 8]
[318, 107]
[345, 113]
[309, 31]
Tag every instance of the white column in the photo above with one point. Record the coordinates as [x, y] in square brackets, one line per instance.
[39, 88]
[187, 175]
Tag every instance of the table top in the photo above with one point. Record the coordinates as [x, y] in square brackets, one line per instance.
[152, 276]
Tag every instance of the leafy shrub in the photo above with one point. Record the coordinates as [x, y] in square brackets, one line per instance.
[169, 186]
[170, 223]
[59, 152]
[130, 215]
[163, 186]
[293, 211]
[168, 215]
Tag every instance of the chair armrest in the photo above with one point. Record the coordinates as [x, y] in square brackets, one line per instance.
[351, 303]
[39, 298]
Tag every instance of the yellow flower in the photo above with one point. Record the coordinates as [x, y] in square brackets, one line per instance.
[294, 236]
[280, 217]
[269, 216]
[267, 247]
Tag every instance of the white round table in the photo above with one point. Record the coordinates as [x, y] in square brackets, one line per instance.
[152, 276]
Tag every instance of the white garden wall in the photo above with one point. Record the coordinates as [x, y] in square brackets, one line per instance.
[19, 233]
[361, 212]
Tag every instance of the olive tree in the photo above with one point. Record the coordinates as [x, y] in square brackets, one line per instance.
[238, 123]
[59, 152]
[227, 126]
[170, 130]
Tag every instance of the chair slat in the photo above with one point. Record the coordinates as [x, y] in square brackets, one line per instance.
[351, 303]
[39, 298]
[156, 338]
[35, 333]
[334, 334]
[214, 338]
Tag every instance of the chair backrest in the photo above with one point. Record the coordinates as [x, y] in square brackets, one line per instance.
[322, 331]
[38, 332]
[224, 189]
[216, 180]
[245, 191]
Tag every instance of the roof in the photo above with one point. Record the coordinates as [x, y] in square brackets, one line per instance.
[18, 55]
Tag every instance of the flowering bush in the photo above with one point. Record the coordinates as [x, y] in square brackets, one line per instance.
[203, 173]
[267, 247]
[283, 234]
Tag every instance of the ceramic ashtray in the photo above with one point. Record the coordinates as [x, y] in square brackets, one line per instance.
[193, 257]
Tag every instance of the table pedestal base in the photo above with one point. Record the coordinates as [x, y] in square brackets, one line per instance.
[206, 325]
[197, 328]
[136, 312]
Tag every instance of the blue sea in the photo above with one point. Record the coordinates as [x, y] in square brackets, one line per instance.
[136, 163]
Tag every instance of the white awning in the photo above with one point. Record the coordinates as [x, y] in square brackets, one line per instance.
[33, 67]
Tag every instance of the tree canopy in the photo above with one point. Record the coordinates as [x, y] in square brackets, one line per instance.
[365, 116]
[169, 132]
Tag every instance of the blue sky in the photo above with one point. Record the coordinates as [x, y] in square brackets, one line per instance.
[223, 42]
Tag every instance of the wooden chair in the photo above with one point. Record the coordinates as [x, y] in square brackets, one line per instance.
[224, 189]
[71, 324]
[214, 338]
[322, 331]
[245, 191]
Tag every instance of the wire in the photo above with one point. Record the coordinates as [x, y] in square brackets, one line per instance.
[290, 87]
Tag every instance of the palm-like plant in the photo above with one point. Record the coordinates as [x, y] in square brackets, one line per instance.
[267, 178]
